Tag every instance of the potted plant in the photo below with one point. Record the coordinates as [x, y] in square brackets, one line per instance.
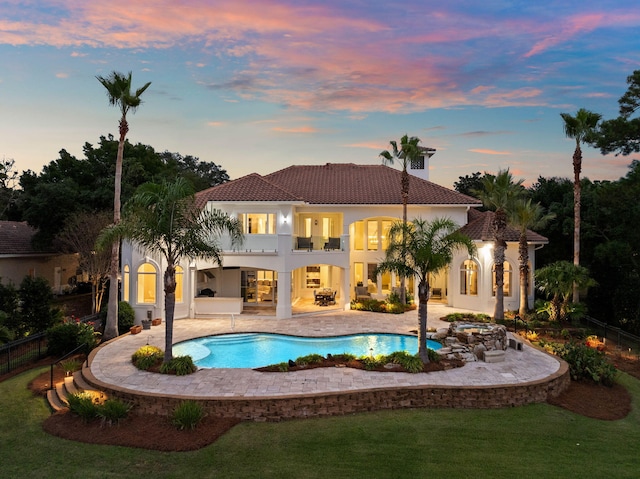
[156, 322]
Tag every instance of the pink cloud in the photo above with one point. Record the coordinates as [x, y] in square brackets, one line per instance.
[320, 57]
[299, 129]
[563, 29]
[489, 152]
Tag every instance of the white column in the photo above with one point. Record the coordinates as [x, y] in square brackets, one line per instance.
[283, 308]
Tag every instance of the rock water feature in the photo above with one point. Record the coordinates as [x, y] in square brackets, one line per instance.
[472, 341]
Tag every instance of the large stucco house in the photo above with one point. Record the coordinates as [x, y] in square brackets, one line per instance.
[323, 226]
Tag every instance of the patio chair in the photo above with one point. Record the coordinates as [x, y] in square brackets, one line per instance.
[362, 293]
[333, 243]
[304, 243]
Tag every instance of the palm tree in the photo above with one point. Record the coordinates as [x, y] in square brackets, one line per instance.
[119, 93]
[526, 215]
[498, 194]
[418, 249]
[409, 151]
[557, 281]
[163, 219]
[582, 127]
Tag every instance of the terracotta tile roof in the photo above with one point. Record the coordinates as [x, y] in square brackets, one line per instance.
[479, 228]
[15, 238]
[334, 183]
[252, 187]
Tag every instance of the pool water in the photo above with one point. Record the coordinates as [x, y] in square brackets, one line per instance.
[254, 350]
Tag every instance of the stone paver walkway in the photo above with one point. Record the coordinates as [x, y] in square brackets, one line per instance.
[112, 363]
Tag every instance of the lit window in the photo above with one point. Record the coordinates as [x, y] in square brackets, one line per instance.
[372, 279]
[386, 226]
[469, 278]
[125, 283]
[258, 223]
[372, 235]
[147, 277]
[506, 285]
[179, 284]
[358, 272]
[358, 236]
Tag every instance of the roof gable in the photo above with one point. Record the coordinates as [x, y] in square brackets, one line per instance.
[479, 228]
[252, 187]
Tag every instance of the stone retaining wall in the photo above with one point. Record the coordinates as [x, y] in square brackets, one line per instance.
[335, 404]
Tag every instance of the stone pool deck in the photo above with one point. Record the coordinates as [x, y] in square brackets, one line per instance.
[524, 376]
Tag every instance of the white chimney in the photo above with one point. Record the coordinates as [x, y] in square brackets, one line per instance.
[420, 166]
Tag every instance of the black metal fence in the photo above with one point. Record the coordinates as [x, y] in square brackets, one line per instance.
[614, 336]
[21, 352]
[32, 348]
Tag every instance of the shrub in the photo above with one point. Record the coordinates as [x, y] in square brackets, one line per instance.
[477, 318]
[586, 363]
[35, 299]
[179, 365]
[66, 337]
[376, 306]
[70, 365]
[370, 363]
[309, 359]
[187, 415]
[433, 355]
[83, 405]
[344, 357]
[411, 362]
[112, 410]
[146, 357]
[126, 316]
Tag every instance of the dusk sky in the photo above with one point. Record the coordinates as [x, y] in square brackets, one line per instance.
[256, 86]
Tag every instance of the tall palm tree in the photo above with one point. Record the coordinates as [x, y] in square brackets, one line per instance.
[409, 151]
[119, 93]
[526, 215]
[163, 219]
[582, 128]
[498, 194]
[418, 249]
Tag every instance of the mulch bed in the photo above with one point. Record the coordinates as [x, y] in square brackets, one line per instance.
[141, 431]
[442, 365]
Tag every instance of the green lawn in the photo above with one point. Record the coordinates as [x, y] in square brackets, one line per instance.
[538, 441]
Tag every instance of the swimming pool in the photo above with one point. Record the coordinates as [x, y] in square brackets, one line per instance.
[254, 350]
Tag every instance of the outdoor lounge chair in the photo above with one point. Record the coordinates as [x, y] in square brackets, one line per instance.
[333, 243]
[304, 243]
[362, 293]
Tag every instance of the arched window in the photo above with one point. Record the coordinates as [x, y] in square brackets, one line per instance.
[179, 284]
[506, 286]
[469, 277]
[147, 278]
[125, 283]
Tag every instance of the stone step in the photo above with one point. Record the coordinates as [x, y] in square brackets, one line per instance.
[57, 397]
[54, 401]
[61, 392]
[80, 382]
[71, 386]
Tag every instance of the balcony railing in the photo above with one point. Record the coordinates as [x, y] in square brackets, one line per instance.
[273, 243]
